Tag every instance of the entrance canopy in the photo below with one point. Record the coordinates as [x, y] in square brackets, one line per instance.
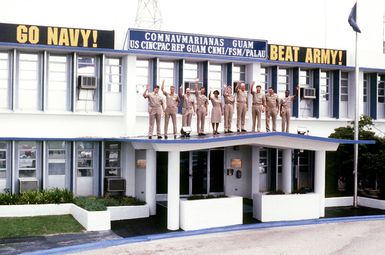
[272, 139]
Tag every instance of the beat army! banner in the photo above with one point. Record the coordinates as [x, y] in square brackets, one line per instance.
[56, 36]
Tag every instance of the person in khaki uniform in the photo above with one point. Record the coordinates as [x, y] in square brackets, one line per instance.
[155, 108]
[188, 109]
[272, 109]
[216, 111]
[285, 109]
[258, 107]
[229, 108]
[202, 104]
[172, 102]
[242, 105]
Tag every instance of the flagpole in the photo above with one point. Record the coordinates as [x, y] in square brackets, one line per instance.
[356, 130]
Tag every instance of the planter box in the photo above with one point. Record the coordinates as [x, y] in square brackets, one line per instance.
[209, 213]
[34, 210]
[92, 221]
[286, 207]
[129, 212]
[338, 201]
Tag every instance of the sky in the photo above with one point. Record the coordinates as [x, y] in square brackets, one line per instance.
[317, 23]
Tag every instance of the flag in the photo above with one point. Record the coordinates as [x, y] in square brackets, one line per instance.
[353, 19]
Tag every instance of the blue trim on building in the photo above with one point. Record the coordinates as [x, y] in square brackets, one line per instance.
[373, 94]
[206, 75]
[229, 76]
[316, 85]
[336, 93]
[154, 73]
[180, 81]
[274, 77]
[295, 80]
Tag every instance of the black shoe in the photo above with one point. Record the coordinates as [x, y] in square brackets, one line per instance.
[230, 131]
[174, 136]
[188, 135]
[244, 130]
[199, 134]
[239, 131]
[160, 137]
[149, 137]
[203, 134]
[226, 132]
[165, 137]
[216, 132]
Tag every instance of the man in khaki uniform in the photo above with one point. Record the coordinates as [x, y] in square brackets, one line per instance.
[229, 108]
[155, 108]
[272, 109]
[285, 109]
[242, 104]
[188, 108]
[202, 104]
[258, 107]
[172, 102]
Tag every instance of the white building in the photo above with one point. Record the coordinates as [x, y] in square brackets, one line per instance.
[61, 128]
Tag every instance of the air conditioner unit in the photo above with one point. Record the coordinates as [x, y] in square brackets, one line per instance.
[87, 82]
[308, 93]
[27, 184]
[116, 184]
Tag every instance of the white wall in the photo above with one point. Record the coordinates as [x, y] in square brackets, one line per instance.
[140, 177]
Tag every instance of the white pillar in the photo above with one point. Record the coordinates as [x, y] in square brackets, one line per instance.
[173, 190]
[128, 169]
[151, 180]
[254, 170]
[286, 171]
[319, 179]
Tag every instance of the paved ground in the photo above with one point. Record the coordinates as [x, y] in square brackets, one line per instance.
[350, 238]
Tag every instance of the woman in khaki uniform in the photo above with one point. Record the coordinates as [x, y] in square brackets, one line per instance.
[216, 111]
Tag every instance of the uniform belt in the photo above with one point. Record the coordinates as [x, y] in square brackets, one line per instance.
[229, 103]
[241, 102]
[257, 103]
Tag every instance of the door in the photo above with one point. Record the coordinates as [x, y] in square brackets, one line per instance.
[57, 165]
[325, 95]
[199, 172]
[86, 169]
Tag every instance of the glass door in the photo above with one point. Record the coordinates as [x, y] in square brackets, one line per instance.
[199, 172]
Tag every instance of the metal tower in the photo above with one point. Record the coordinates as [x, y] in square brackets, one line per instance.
[148, 15]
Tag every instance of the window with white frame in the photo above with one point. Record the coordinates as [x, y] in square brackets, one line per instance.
[215, 81]
[112, 154]
[85, 159]
[113, 85]
[3, 160]
[263, 161]
[239, 74]
[56, 157]
[381, 88]
[166, 73]
[264, 78]
[324, 86]
[344, 87]
[283, 81]
[5, 91]
[305, 78]
[87, 99]
[58, 89]
[27, 159]
[142, 79]
[190, 73]
[28, 94]
[365, 88]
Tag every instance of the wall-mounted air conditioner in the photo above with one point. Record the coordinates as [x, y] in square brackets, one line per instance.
[115, 184]
[87, 82]
[308, 93]
[27, 184]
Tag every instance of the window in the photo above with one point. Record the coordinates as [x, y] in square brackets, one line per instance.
[381, 88]
[325, 85]
[283, 81]
[85, 159]
[87, 98]
[58, 92]
[215, 78]
[112, 159]
[166, 73]
[28, 87]
[365, 88]
[27, 159]
[264, 79]
[190, 71]
[56, 158]
[344, 87]
[3, 160]
[142, 79]
[113, 84]
[5, 91]
[305, 78]
[239, 74]
[263, 161]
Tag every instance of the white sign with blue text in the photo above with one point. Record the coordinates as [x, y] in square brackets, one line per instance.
[195, 45]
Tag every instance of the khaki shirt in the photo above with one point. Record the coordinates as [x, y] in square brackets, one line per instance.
[286, 103]
[188, 104]
[229, 98]
[258, 98]
[172, 102]
[241, 97]
[202, 100]
[155, 102]
[272, 101]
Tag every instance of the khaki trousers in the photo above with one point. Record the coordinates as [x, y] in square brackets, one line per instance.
[273, 114]
[166, 120]
[155, 115]
[186, 118]
[229, 110]
[256, 114]
[201, 115]
[241, 115]
[286, 121]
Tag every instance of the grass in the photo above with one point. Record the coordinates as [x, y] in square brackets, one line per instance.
[38, 226]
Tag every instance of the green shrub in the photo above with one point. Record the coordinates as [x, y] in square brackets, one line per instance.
[277, 192]
[197, 197]
[92, 203]
[51, 196]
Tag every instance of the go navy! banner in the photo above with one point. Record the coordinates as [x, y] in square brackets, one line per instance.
[142, 41]
[56, 36]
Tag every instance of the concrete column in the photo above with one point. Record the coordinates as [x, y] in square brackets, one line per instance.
[173, 190]
[319, 179]
[128, 169]
[286, 171]
[254, 170]
[151, 180]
